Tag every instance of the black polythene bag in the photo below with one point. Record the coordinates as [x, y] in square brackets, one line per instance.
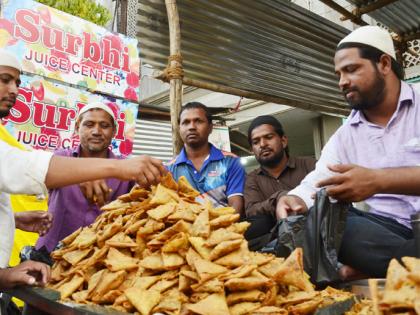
[7, 306]
[31, 253]
[319, 233]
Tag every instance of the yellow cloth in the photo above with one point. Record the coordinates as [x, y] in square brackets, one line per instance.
[21, 203]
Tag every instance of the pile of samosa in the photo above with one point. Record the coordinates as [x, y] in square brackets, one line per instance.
[160, 251]
[400, 295]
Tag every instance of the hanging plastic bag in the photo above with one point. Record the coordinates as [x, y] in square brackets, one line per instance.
[319, 232]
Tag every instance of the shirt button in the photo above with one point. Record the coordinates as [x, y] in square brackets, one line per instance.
[195, 172]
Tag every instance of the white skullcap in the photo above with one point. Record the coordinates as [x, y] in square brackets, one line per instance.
[98, 105]
[9, 60]
[372, 36]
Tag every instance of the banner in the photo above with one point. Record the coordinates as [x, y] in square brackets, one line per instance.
[45, 113]
[220, 138]
[63, 47]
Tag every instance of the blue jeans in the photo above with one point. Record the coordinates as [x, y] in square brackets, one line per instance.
[370, 241]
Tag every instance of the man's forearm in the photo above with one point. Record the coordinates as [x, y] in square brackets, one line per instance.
[268, 206]
[64, 171]
[237, 202]
[403, 180]
[264, 207]
[3, 278]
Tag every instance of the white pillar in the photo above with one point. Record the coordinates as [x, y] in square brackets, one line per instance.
[323, 128]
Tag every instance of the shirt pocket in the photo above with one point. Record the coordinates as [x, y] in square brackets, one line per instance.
[411, 152]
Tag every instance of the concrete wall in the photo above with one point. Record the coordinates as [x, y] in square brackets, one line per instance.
[323, 128]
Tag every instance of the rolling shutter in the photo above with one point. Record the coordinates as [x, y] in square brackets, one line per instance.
[153, 138]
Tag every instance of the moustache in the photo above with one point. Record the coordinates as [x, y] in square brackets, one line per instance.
[345, 91]
[8, 99]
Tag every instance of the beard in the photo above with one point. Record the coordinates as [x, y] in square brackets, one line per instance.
[197, 142]
[272, 160]
[4, 109]
[369, 99]
[95, 148]
[4, 113]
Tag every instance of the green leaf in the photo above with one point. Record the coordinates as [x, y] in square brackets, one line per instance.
[88, 10]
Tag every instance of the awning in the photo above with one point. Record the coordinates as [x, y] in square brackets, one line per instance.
[270, 47]
[402, 16]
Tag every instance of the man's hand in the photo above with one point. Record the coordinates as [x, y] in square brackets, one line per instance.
[145, 170]
[353, 183]
[96, 192]
[237, 202]
[289, 204]
[27, 273]
[33, 221]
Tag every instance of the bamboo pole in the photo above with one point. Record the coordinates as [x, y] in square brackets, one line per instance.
[175, 93]
[326, 109]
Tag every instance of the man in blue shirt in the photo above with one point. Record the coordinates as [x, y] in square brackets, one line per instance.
[216, 174]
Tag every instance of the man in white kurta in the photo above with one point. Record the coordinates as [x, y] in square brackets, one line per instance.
[20, 172]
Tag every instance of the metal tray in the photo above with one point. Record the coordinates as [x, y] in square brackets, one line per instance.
[46, 301]
[338, 308]
[360, 287]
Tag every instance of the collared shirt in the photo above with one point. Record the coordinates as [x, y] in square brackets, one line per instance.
[262, 190]
[366, 144]
[20, 172]
[70, 208]
[221, 176]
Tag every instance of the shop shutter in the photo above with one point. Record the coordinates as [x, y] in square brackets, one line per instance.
[154, 138]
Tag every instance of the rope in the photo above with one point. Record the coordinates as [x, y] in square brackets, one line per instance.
[175, 71]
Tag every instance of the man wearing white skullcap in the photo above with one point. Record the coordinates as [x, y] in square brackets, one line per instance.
[76, 206]
[33, 172]
[10, 80]
[373, 157]
[10, 68]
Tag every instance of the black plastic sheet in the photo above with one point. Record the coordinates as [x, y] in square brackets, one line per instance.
[319, 233]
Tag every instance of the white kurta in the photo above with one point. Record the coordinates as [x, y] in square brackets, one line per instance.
[21, 172]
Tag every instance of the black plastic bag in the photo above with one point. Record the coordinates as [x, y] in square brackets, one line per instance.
[31, 253]
[319, 233]
[7, 306]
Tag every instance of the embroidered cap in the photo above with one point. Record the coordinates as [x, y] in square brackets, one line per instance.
[98, 105]
[9, 60]
[372, 36]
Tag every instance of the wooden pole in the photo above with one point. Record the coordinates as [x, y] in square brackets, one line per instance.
[123, 17]
[347, 14]
[175, 92]
[368, 8]
[374, 6]
[329, 109]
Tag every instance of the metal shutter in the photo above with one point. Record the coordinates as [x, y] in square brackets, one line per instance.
[154, 138]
